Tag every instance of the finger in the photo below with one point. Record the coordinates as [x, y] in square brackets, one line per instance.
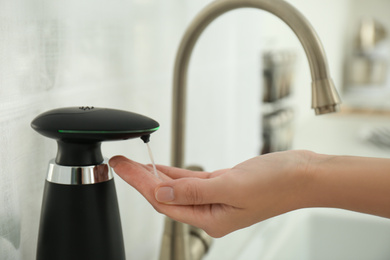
[116, 159]
[193, 191]
[218, 172]
[119, 158]
[160, 174]
[137, 176]
[177, 173]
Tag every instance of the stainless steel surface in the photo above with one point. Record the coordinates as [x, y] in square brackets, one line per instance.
[278, 130]
[378, 136]
[182, 241]
[325, 97]
[367, 71]
[323, 91]
[371, 32]
[278, 75]
[175, 242]
[79, 175]
[200, 243]
[368, 64]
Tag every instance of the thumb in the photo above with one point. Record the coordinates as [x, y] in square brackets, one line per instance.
[191, 191]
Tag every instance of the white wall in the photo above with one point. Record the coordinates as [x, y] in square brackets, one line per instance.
[120, 54]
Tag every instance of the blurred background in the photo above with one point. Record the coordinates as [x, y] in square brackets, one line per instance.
[249, 93]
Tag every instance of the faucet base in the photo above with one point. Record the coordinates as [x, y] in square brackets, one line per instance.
[182, 241]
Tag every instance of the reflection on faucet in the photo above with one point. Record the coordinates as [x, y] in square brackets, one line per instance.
[175, 245]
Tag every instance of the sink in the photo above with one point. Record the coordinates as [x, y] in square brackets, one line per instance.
[309, 234]
[331, 234]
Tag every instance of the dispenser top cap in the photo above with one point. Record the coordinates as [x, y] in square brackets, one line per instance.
[80, 130]
[92, 124]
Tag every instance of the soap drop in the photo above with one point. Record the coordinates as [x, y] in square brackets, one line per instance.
[152, 159]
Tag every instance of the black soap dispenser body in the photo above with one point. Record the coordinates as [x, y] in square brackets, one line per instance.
[80, 215]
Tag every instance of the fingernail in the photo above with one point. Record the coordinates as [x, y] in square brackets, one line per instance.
[112, 163]
[165, 194]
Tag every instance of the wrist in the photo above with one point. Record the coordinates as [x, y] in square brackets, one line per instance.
[308, 178]
[326, 178]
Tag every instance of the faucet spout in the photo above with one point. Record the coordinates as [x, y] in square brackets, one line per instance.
[324, 95]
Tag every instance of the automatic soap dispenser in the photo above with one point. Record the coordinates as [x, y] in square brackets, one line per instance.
[80, 214]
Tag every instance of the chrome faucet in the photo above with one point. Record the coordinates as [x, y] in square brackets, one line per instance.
[176, 244]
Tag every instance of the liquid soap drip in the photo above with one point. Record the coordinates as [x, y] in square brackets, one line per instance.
[152, 159]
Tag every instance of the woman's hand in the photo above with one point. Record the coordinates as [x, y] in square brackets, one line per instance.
[226, 200]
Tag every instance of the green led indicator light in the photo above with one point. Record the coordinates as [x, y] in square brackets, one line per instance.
[106, 132]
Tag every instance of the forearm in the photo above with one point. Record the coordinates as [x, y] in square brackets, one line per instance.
[353, 183]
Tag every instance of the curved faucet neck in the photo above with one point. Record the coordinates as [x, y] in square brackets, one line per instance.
[324, 93]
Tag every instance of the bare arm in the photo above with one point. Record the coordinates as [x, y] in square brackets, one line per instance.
[262, 187]
[354, 183]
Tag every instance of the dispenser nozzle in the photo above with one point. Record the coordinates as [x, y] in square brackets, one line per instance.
[145, 138]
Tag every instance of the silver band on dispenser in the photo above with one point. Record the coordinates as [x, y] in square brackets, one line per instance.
[79, 175]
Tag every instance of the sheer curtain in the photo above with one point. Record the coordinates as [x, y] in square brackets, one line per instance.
[72, 53]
